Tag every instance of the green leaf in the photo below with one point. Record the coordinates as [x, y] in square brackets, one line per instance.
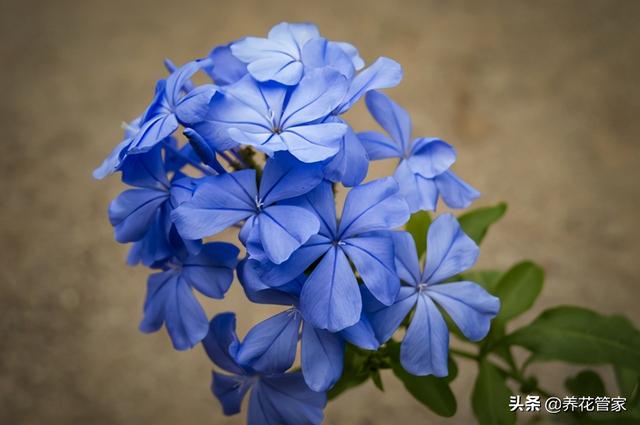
[488, 279]
[490, 398]
[377, 379]
[433, 392]
[586, 383]
[518, 289]
[629, 384]
[579, 335]
[418, 225]
[475, 223]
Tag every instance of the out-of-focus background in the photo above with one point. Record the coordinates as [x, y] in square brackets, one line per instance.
[541, 100]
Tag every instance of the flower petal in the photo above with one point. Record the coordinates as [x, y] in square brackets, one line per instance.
[319, 92]
[258, 292]
[314, 142]
[376, 205]
[406, 258]
[211, 271]
[383, 73]
[322, 357]
[470, 306]
[379, 146]
[225, 68]
[193, 106]
[373, 256]
[145, 170]
[426, 344]
[152, 132]
[285, 177]
[279, 67]
[275, 275]
[230, 391]
[218, 202]
[385, 320]
[395, 120]
[221, 343]
[133, 211]
[330, 298]
[270, 346]
[351, 163]
[284, 228]
[455, 192]
[285, 399]
[449, 250]
[156, 300]
[185, 319]
[361, 334]
[431, 157]
[321, 52]
[321, 201]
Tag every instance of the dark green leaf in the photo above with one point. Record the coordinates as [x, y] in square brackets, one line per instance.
[377, 379]
[518, 289]
[629, 384]
[475, 223]
[418, 225]
[490, 399]
[578, 335]
[433, 392]
[488, 279]
[586, 383]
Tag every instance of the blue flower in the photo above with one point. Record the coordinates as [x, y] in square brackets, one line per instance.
[449, 251]
[351, 163]
[223, 67]
[424, 170]
[169, 108]
[272, 117]
[281, 398]
[142, 214]
[271, 228]
[270, 346]
[170, 299]
[278, 57]
[330, 298]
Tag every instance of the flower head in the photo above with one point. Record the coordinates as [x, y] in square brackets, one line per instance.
[424, 170]
[282, 398]
[449, 251]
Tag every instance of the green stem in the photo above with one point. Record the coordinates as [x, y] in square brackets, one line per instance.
[514, 374]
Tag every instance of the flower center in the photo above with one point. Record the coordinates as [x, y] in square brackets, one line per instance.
[422, 287]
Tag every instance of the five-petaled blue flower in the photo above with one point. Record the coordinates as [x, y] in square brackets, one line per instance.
[272, 230]
[170, 300]
[276, 398]
[330, 298]
[424, 170]
[270, 346]
[425, 346]
[272, 117]
[170, 107]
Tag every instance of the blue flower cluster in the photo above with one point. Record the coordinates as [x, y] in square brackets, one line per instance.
[348, 278]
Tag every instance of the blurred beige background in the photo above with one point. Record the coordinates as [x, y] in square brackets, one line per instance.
[541, 100]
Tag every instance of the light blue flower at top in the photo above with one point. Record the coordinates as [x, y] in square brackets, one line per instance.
[276, 398]
[424, 170]
[272, 117]
[450, 251]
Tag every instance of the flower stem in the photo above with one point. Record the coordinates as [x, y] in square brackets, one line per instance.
[513, 373]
